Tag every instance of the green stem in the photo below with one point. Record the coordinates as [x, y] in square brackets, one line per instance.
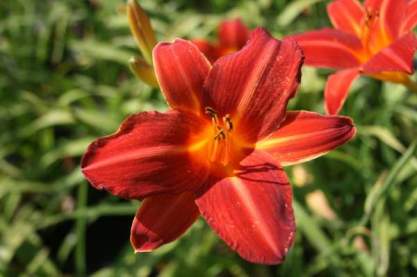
[372, 201]
[80, 228]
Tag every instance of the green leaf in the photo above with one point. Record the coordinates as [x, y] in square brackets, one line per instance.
[290, 13]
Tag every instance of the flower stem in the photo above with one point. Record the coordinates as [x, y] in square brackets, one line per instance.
[411, 85]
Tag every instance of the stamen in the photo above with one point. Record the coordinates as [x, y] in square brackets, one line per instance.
[228, 122]
[220, 134]
[220, 147]
[370, 16]
[211, 112]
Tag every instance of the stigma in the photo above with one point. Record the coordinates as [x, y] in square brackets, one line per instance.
[220, 146]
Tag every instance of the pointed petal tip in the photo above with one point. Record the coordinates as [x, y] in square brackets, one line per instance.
[337, 89]
[304, 136]
[162, 219]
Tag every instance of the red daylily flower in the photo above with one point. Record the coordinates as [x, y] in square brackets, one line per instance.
[374, 39]
[232, 36]
[219, 151]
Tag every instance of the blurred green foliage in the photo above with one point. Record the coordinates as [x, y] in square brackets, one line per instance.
[64, 81]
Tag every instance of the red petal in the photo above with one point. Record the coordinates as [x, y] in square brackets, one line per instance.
[346, 15]
[233, 34]
[255, 84]
[397, 57]
[329, 48]
[208, 49]
[252, 211]
[390, 13]
[147, 155]
[337, 89]
[181, 70]
[304, 136]
[162, 219]
[411, 19]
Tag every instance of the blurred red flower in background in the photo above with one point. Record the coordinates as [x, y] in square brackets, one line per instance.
[232, 36]
[374, 39]
[219, 151]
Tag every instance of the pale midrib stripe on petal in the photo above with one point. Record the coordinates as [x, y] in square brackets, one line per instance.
[138, 154]
[326, 43]
[167, 213]
[393, 56]
[263, 61]
[274, 142]
[181, 72]
[253, 210]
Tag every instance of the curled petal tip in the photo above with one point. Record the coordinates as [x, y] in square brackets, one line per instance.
[162, 219]
[181, 69]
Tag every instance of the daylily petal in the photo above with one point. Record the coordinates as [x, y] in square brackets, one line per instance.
[346, 15]
[208, 49]
[181, 70]
[162, 219]
[233, 34]
[373, 4]
[304, 136]
[337, 89]
[329, 48]
[397, 57]
[252, 211]
[147, 155]
[254, 84]
[390, 13]
[411, 19]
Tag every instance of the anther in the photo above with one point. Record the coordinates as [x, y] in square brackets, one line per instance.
[228, 122]
[210, 112]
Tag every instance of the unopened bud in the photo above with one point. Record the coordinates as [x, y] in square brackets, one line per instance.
[141, 28]
[143, 71]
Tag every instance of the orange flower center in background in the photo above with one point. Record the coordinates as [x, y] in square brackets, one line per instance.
[373, 36]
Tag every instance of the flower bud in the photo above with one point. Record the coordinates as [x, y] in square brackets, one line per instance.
[141, 28]
[143, 71]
